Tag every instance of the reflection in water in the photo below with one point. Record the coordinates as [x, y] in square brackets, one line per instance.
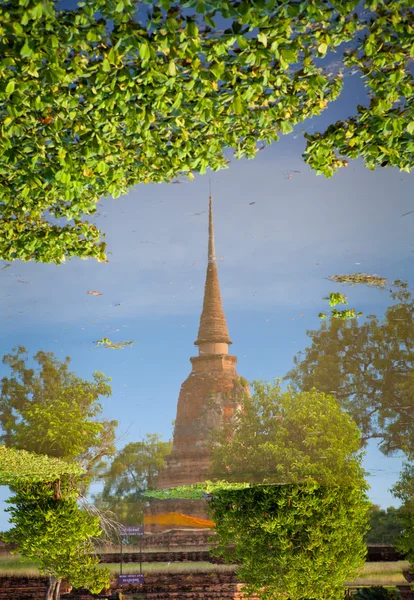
[368, 367]
[276, 473]
[96, 99]
[53, 411]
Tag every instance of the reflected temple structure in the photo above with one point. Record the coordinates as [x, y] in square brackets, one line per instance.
[207, 401]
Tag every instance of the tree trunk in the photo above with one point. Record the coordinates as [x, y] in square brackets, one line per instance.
[53, 589]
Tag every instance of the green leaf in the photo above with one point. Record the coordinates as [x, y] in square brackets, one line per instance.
[323, 48]
[172, 70]
[10, 87]
[410, 127]
[26, 51]
[237, 105]
[120, 6]
[262, 37]
[106, 65]
[144, 51]
[285, 127]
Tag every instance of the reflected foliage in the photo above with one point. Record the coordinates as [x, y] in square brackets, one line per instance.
[131, 473]
[382, 132]
[50, 528]
[19, 466]
[376, 593]
[288, 437]
[293, 541]
[56, 414]
[304, 536]
[369, 368]
[96, 100]
[404, 491]
[385, 525]
[52, 411]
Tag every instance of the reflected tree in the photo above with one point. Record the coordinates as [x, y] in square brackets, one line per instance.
[55, 414]
[131, 473]
[50, 528]
[293, 541]
[385, 525]
[53, 411]
[100, 98]
[404, 491]
[287, 437]
[369, 368]
[376, 593]
[298, 530]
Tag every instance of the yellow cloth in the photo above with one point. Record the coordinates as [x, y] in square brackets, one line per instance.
[174, 518]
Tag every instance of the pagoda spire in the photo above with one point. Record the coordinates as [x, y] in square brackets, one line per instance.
[213, 336]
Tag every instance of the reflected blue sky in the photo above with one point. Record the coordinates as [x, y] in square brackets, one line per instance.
[279, 235]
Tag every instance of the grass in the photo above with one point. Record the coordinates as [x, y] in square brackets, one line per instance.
[382, 573]
[14, 565]
[373, 573]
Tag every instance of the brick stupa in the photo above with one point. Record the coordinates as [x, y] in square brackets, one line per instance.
[207, 401]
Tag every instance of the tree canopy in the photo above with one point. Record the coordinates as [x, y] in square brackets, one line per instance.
[299, 532]
[50, 528]
[131, 473]
[287, 437]
[52, 411]
[19, 466]
[292, 541]
[369, 367]
[55, 414]
[404, 491]
[100, 98]
[385, 525]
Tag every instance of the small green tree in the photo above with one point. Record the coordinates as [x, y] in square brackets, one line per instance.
[50, 528]
[129, 475]
[298, 530]
[53, 411]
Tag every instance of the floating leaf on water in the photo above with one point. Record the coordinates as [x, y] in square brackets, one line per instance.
[107, 343]
[335, 298]
[360, 278]
[93, 293]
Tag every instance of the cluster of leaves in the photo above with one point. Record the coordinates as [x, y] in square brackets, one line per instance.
[96, 100]
[335, 299]
[55, 532]
[287, 437]
[292, 541]
[129, 475]
[56, 414]
[196, 491]
[106, 342]
[404, 491]
[360, 278]
[53, 411]
[19, 466]
[385, 525]
[383, 132]
[376, 593]
[303, 537]
[368, 367]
